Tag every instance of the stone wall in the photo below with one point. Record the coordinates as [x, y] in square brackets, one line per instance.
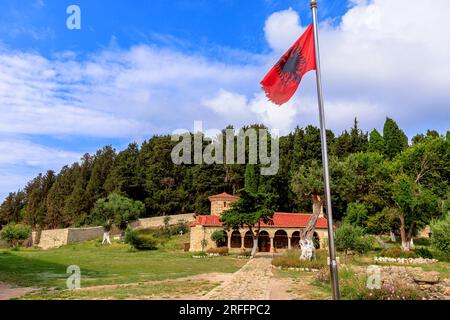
[155, 222]
[84, 234]
[53, 238]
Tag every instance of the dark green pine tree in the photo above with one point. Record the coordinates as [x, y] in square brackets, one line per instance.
[251, 180]
[359, 139]
[163, 180]
[36, 195]
[350, 142]
[57, 215]
[395, 139]
[126, 174]
[101, 168]
[77, 204]
[376, 142]
[10, 210]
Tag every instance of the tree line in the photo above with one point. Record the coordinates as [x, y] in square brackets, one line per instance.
[378, 180]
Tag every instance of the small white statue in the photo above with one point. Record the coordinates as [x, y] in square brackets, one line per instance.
[307, 247]
[106, 237]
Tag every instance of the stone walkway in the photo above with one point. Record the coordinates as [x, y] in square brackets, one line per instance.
[251, 282]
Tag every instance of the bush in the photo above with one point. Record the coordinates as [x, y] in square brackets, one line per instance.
[14, 234]
[180, 227]
[140, 241]
[291, 259]
[422, 242]
[397, 252]
[423, 253]
[218, 236]
[223, 251]
[354, 287]
[353, 238]
[440, 235]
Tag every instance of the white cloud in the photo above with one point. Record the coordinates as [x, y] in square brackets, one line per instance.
[26, 153]
[282, 29]
[241, 111]
[386, 58]
[21, 160]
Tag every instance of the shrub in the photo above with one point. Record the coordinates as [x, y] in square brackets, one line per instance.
[180, 227]
[140, 241]
[423, 253]
[354, 287]
[218, 236]
[291, 259]
[204, 244]
[223, 251]
[422, 242]
[440, 235]
[349, 237]
[323, 275]
[14, 234]
[397, 252]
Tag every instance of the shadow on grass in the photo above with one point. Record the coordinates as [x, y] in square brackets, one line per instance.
[22, 269]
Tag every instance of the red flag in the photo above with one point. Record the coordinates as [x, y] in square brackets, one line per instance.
[283, 80]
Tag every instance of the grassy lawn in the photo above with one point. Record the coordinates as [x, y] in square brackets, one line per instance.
[168, 289]
[109, 265]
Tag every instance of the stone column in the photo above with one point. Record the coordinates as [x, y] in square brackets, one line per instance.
[271, 244]
[289, 243]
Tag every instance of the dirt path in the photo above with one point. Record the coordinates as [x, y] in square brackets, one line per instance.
[251, 282]
[8, 291]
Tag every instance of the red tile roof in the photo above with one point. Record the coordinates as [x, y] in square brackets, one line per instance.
[279, 220]
[224, 196]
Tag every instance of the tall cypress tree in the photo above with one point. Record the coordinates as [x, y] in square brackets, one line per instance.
[376, 142]
[251, 181]
[395, 139]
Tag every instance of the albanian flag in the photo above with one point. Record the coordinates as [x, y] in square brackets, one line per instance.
[283, 80]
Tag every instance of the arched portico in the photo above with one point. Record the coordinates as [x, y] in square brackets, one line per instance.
[264, 242]
[280, 240]
[224, 241]
[248, 240]
[236, 239]
[295, 239]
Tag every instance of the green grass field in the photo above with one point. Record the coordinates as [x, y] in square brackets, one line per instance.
[107, 265]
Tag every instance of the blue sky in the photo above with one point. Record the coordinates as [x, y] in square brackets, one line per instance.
[40, 24]
[138, 68]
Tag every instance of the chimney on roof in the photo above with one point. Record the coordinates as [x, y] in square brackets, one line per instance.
[318, 206]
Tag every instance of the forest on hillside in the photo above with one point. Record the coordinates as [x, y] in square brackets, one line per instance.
[378, 178]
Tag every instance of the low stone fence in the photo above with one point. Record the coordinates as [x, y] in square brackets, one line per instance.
[55, 238]
[405, 260]
[47, 239]
[155, 222]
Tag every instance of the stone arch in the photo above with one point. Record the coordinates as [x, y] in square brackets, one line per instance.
[280, 240]
[295, 239]
[236, 239]
[248, 240]
[264, 241]
[316, 240]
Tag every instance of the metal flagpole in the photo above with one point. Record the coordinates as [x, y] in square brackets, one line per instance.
[326, 174]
